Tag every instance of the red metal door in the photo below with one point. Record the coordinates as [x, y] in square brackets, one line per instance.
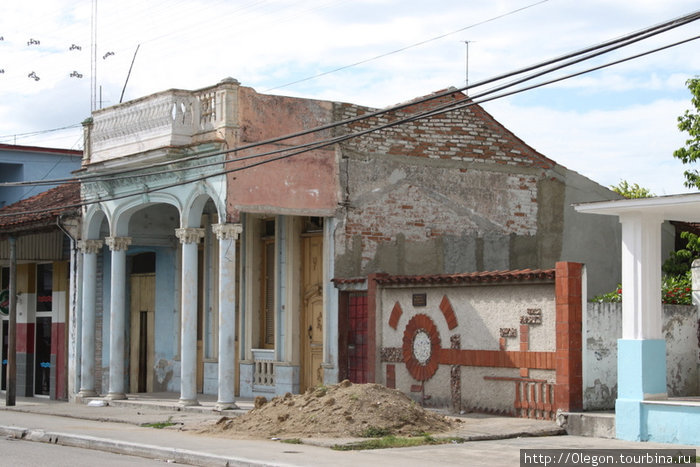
[357, 337]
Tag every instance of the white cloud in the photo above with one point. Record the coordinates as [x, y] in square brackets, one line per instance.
[620, 119]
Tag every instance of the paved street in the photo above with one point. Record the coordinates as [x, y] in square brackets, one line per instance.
[116, 430]
[15, 453]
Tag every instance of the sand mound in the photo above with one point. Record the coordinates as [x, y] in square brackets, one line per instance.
[341, 410]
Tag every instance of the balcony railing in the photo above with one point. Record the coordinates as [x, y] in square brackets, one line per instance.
[263, 369]
[167, 119]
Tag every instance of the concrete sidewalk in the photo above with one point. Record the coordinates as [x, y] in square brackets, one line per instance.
[117, 428]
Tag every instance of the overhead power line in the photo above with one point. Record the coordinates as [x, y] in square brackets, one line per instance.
[402, 49]
[474, 100]
[564, 61]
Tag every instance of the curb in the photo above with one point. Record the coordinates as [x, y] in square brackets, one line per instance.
[170, 455]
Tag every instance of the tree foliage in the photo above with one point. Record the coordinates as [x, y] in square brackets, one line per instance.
[631, 190]
[690, 123]
[680, 261]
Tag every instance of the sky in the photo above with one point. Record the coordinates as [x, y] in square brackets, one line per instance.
[619, 123]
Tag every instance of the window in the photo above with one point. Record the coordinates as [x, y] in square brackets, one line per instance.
[267, 304]
[44, 287]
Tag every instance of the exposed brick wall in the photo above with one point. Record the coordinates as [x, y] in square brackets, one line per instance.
[440, 204]
[468, 134]
[441, 179]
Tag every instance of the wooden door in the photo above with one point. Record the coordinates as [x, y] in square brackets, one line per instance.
[143, 305]
[312, 312]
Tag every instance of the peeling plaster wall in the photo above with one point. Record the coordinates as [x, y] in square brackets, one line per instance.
[460, 193]
[305, 184]
[414, 216]
[602, 329]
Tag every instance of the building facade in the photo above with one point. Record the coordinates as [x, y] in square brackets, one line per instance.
[228, 235]
[32, 163]
[43, 228]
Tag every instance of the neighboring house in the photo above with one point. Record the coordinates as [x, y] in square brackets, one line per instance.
[219, 257]
[31, 163]
[41, 226]
[643, 409]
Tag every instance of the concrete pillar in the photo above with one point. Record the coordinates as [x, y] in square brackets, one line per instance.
[89, 248]
[695, 275]
[189, 237]
[227, 234]
[642, 312]
[641, 353]
[330, 305]
[117, 314]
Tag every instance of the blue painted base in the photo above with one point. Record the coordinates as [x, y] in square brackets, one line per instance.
[641, 375]
[641, 368]
[628, 420]
[670, 423]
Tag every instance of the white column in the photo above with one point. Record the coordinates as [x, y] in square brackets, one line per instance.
[189, 237]
[642, 313]
[90, 248]
[117, 315]
[227, 234]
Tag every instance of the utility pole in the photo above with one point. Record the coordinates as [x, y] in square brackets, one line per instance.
[12, 338]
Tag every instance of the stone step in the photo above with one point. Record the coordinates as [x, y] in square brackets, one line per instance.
[593, 424]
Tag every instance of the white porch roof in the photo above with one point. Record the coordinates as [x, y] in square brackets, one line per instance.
[684, 207]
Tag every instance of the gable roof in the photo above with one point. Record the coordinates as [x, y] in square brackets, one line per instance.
[40, 211]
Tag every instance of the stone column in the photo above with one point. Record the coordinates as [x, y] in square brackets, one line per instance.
[227, 234]
[89, 248]
[117, 317]
[189, 237]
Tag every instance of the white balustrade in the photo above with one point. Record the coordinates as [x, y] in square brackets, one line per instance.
[263, 369]
[167, 119]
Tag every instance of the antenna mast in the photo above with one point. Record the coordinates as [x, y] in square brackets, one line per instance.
[466, 73]
[93, 58]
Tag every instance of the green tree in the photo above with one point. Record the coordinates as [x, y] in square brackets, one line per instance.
[679, 261]
[631, 190]
[690, 123]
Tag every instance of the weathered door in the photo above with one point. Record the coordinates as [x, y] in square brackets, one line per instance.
[143, 305]
[312, 311]
[42, 356]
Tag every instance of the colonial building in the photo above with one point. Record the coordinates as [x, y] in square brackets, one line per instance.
[229, 234]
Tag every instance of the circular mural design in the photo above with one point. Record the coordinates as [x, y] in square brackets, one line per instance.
[421, 347]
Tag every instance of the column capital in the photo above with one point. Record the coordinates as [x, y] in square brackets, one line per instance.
[189, 234]
[118, 243]
[90, 246]
[227, 231]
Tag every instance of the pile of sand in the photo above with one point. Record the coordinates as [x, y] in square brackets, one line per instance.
[341, 410]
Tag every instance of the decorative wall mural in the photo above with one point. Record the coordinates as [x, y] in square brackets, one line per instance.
[421, 347]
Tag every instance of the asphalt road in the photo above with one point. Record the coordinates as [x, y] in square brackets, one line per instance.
[16, 453]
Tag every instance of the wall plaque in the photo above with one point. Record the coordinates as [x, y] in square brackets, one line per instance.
[420, 299]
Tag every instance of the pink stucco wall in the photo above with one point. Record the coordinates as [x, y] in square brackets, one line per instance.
[303, 184]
